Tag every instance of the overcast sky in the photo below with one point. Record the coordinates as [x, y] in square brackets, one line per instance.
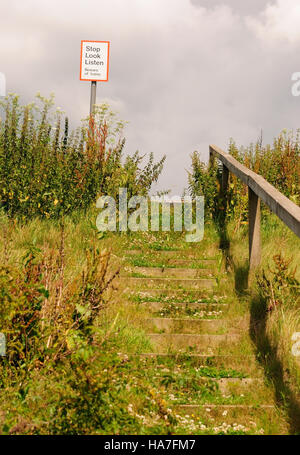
[184, 73]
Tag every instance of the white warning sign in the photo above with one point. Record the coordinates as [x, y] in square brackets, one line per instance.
[94, 61]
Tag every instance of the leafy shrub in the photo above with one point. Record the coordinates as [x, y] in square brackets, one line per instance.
[41, 317]
[21, 297]
[108, 395]
[47, 171]
[280, 287]
[204, 180]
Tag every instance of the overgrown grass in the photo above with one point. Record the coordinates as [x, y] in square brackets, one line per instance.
[86, 384]
[66, 330]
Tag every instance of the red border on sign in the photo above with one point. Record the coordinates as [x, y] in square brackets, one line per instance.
[90, 41]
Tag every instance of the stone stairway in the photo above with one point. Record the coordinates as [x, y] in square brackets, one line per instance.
[201, 354]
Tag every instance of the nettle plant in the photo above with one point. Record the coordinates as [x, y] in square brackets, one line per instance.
[48, 171]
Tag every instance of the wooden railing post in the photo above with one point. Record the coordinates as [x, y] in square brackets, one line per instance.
[254, 230]
[211, 157]
[225, 177]
[224, 188]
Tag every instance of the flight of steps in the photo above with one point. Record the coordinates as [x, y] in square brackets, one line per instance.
[202, 353]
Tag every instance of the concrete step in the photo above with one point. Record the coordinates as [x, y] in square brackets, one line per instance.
[238, 386]
[174, 254]
[245, 364]
[199, 263]
[188, 387]
[187, 325]
[222, 391]
[216, 360]
[169, 272]
[202, 344]
[194, 306]
[190, 325]
[221, 416]
[168, 283]
[167, 253]
[175, 258]
[171, 294]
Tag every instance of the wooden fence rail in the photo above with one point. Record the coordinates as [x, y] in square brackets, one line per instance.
[258, 189]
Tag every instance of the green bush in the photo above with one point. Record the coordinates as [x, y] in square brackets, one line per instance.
[22, 293]
[47, 171]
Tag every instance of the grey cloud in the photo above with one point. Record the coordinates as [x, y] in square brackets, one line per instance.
[240, 6]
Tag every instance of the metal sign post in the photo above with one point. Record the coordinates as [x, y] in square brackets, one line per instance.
[93, 97]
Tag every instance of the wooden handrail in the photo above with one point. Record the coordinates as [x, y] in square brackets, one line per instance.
[258, 189]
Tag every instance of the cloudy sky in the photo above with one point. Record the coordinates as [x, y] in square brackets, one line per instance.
[184, 73]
